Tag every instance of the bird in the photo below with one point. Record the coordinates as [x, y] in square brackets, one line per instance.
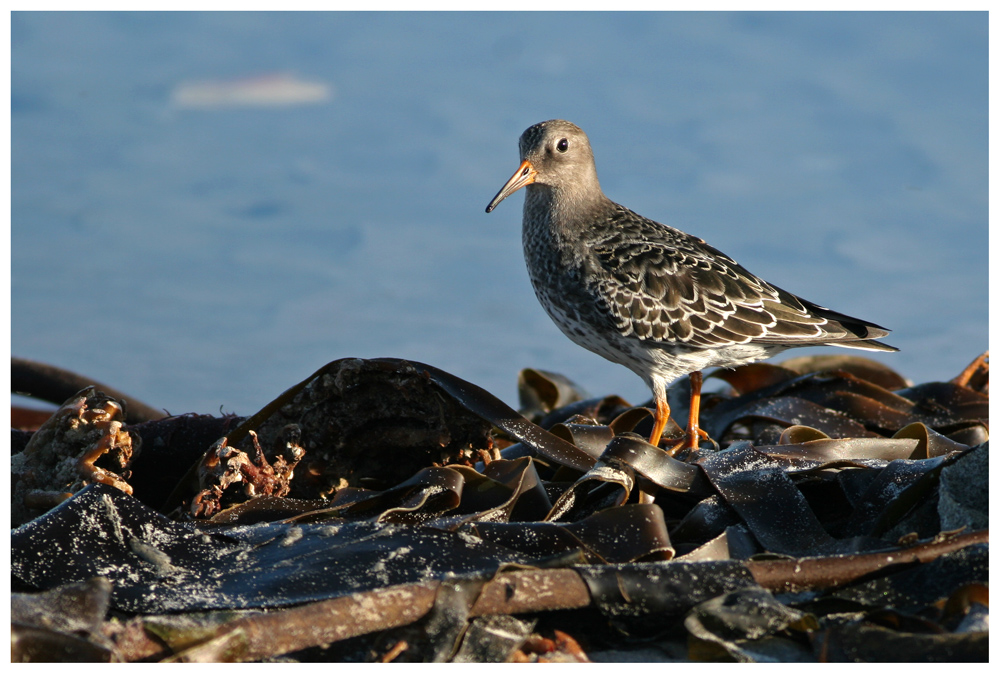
[646, 295]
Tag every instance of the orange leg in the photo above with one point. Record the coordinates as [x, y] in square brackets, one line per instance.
[660, 419]
[694, 431]
[694, 434]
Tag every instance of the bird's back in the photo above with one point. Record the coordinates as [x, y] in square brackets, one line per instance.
[657, 284]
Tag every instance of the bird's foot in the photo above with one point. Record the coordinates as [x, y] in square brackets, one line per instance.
[692, 438]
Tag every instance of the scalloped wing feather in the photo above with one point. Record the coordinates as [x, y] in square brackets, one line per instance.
[675, 288]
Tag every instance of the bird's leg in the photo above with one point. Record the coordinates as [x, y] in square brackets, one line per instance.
[660, 420]
[694, 434]
[661, 417]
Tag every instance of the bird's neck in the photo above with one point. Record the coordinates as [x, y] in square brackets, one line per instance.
[563, 213]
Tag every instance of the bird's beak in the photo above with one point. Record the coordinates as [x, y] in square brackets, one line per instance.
[525, 175]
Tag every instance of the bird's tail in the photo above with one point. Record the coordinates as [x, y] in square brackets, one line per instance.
[865, 345]
[865, 332]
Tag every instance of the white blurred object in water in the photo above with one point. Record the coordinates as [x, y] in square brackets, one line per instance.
[262, 91]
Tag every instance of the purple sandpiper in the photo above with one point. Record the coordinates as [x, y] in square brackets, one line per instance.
[645, 295]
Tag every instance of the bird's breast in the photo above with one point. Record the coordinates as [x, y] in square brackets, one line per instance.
[558, 271]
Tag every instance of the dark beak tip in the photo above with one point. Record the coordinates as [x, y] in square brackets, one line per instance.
[493, 204]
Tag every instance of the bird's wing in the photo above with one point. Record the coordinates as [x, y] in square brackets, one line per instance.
[663, 285]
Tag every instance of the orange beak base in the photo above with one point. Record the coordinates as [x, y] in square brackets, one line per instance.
[525, 175]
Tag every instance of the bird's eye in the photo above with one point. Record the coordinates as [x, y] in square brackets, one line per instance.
[562, 145]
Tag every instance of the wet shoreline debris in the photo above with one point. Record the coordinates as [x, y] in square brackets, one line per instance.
[385, 510]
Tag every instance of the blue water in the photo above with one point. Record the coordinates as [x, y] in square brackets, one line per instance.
[207, 258]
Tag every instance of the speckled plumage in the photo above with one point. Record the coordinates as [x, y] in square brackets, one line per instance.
[640, 293]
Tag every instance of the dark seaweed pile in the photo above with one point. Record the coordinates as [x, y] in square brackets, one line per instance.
[385, 510]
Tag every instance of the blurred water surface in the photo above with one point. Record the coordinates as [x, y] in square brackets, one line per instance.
[204, 255]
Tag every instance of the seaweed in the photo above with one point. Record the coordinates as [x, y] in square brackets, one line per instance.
[386, 510]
